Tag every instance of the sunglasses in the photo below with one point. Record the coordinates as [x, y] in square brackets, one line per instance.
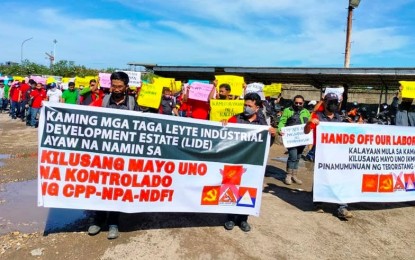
[298, 103]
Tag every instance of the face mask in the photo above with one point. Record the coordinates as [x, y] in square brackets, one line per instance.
[118, 95]
[332, 107]
[297, 107]
[222, 96]
[248, 111]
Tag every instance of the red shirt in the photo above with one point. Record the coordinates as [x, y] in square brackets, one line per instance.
[200, 109]
[24, 88]
[15, 93]
[38, 96]
[92, 99]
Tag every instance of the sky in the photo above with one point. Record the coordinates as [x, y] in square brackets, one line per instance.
[248, 33]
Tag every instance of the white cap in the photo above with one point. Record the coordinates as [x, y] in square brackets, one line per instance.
[312, 103]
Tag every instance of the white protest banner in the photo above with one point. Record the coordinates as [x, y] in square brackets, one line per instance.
[294, 136]
[106, 159]
[134, 77]
[200, 91]
[255, 88]
[104, 80]
[364, 163]
[338, 91]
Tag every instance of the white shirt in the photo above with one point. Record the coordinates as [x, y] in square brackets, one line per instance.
[54, 95]
[2, 92]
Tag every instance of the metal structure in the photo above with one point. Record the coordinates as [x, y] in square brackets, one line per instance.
[54, 51]
[21, 48]
[51, 59]
[317, 77]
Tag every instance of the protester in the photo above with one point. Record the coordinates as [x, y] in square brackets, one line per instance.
[6, 95]
[251, 115]
[54, 94]
[24, 98]
[405, 111]
[294, 115]
[184, 107]
[117, 99]
[15, 97]
[224, 92]
[168, 103]
[92, 95]
[198, 109]
[70, 96]
[38, 95]
[32, 85]
[330, 105]
[1, 95]
[310, 105]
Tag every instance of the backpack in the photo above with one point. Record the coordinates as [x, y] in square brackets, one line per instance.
[130, 103]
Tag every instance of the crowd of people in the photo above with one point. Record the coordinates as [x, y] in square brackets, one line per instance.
[23, 101]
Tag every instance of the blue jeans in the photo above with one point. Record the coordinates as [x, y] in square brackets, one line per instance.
[22, 105]
[15, 109]
[294, 155]
[33, 113]
[5, 103]
[411, 118]
[310, 155]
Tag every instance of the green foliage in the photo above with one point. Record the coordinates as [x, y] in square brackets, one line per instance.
[24, 69]
[62, 68]
[148, 76]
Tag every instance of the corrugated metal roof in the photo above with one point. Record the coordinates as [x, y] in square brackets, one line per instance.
[317, 77]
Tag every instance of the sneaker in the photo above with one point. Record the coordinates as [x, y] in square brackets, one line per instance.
[93, 230]
[344, 213]
[245, 227]
[288, 179]
[113, 232]
[296, 180]
[229, 225]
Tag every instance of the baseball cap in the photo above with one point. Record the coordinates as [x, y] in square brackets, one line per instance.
[330, 96]
[312, 103]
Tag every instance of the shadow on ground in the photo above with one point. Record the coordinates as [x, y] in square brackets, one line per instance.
[141, 221]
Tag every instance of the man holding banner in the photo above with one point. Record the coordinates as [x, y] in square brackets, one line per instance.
[117, 99]
[294, 115]
[225, 91]
[197, 96]
[251, 115]
[331, 106]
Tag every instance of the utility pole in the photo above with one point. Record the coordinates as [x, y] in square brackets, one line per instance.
[54, 51]
[352, 5]
[21, 49]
